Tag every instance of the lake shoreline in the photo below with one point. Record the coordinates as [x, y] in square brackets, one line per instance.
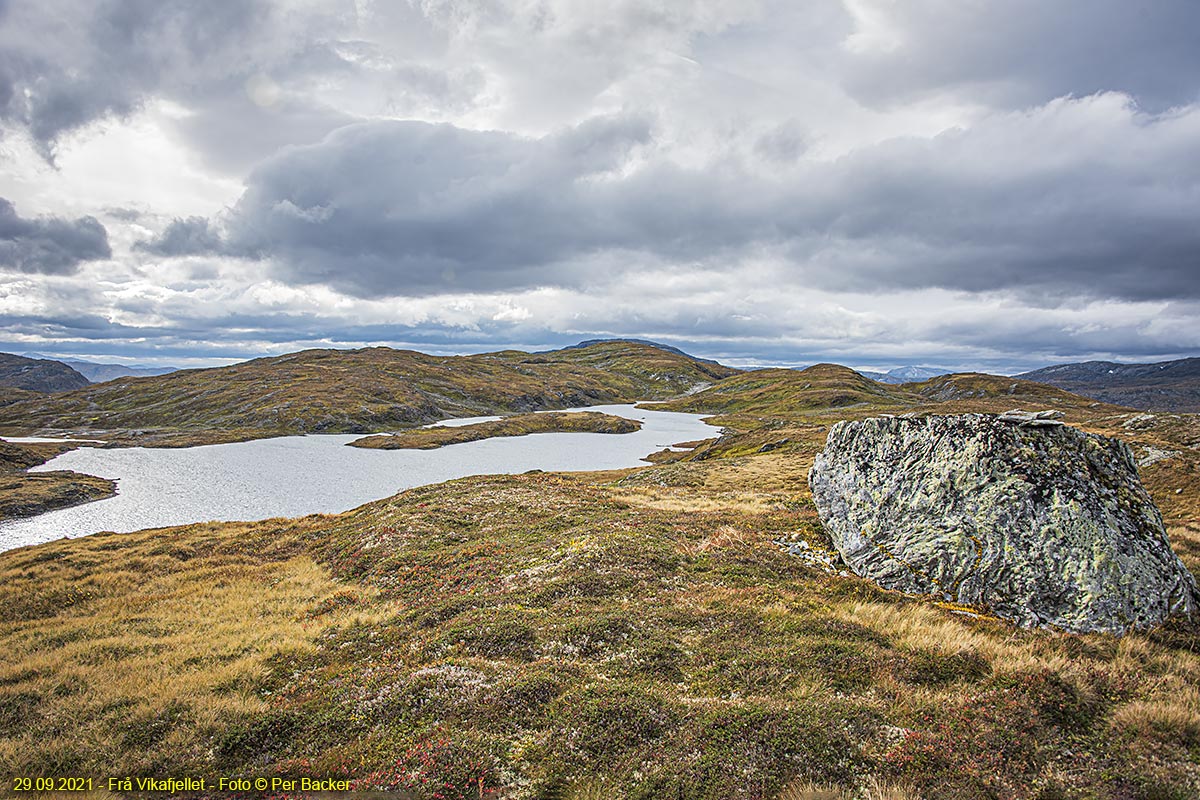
[293, 476]
[25, 494]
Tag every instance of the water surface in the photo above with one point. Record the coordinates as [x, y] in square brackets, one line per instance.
[295, 475]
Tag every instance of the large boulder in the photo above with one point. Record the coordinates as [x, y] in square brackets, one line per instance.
[1038, 522]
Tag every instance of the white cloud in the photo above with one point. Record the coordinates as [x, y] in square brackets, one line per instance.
[859, 180]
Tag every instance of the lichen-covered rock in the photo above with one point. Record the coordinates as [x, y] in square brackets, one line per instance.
[1042, 525]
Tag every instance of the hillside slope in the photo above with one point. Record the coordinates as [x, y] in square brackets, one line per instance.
[1163, 386]
[785, 392]
[38, 375]
[996, 393]
[99, 373]
[359, 391]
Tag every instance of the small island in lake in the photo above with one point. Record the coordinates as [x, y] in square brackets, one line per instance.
[516, 425]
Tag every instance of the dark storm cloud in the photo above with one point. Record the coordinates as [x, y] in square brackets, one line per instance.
[404, 207]
[1026, 52]
[1078, 198]
[184, 237]
[49, 245]
[1082, 197]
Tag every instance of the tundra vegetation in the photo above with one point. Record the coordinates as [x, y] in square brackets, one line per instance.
[629, 634]
[353, 391]
[517, 425]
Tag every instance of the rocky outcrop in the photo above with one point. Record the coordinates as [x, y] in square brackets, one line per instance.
[1039, 523]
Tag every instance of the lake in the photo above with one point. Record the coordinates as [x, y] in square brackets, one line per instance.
[296, 475]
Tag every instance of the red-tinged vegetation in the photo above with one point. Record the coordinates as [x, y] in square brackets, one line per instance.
[633, 634]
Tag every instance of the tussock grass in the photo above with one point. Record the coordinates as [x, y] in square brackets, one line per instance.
[166, 640]
[625, 634]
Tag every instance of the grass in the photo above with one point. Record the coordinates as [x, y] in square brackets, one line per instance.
[168, 639]
[518, 425]
[355, 391]
[593, 635]
[624, 634]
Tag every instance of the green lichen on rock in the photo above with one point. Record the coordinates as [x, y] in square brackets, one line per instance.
[1042, 525]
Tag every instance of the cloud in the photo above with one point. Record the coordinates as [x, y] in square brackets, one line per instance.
[405, 207]
[968, 183]
[57, 77]
[71, 63]
[49, 245]
[184, 237]
[1079, 197]
[1024, 52]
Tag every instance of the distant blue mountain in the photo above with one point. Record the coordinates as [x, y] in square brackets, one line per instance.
[904, 374]
[1160, 386]
[99, 372]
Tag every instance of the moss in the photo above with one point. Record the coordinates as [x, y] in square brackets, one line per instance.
[607, 720]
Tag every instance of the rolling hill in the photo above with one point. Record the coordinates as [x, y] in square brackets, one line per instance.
[785, 392]
[360, 391]
[1162, 386]
[38, 375]
[997, 393]
[829, 391]
[629, 633]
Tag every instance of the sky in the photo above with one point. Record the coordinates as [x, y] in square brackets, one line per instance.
[995, 186]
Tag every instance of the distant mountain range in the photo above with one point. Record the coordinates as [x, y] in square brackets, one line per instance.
[1162, 386]
[38, 375]
[99, 371]
[904, 375]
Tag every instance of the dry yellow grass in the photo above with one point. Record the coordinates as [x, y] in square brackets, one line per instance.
[160, 627]
[694, 501]
[1170, 715]
[668, 575]
[805, 790]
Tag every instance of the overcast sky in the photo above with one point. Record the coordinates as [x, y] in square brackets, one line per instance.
[957, 183]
